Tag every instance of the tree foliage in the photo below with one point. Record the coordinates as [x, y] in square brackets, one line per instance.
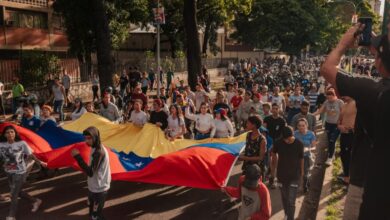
[37, 66]
[290, 26]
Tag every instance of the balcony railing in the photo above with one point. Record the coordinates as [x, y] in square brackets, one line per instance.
[41, 3]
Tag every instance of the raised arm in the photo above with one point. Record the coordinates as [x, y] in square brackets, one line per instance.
[330, 67]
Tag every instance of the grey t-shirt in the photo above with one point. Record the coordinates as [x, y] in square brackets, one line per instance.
[14, 156]
[332, 110]
[101, 179]
[111, 112]
[250, 203]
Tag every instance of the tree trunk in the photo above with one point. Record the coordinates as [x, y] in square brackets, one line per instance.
[103, 44]
[206, 38]
[194, 60]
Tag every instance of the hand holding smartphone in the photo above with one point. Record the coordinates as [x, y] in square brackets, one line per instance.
[365, 35]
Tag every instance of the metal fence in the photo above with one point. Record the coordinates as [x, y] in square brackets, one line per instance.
[176, 65]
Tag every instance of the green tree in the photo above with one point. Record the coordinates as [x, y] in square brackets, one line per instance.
[290, 26]
[36, 67]
[100, 26]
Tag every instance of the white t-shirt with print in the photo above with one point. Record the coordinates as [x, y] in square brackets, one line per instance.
[14, 156]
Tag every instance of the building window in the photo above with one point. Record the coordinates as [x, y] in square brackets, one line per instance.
[27, 19]
[42, 3]
[58, 22]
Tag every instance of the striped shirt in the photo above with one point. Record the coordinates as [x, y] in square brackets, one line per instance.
[313, 96]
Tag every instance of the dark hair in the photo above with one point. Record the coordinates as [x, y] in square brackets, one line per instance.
[81, 105]
[178, 112]
[4, 139]
[255, 120]
[249, 93]
[287, 132]
[275, 105]
[305, 103]
[29, 106]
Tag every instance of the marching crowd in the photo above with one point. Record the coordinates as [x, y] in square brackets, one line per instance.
[276, 101]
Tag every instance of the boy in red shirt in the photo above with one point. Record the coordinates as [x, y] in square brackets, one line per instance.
[256, 202]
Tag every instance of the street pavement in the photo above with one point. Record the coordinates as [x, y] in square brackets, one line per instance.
[64, 197]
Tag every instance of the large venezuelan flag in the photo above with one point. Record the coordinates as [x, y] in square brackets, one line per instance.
[140, 154]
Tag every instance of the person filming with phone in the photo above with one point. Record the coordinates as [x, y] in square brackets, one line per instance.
[373, 110]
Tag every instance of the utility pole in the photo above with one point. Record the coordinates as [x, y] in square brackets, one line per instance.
[386, 17]
[159, 18]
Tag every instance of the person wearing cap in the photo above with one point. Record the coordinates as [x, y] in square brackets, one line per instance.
[254, 195]
[255, 147]
[372, 99]
[222, 128]
[46, 111]
[221, 102]
[257, 106]
[287, 159]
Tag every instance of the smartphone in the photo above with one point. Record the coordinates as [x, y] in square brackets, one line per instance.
[365, 36]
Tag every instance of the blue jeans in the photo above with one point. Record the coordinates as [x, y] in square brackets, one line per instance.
[200, 136]
[333, 133]
[289, 196]
[59, 108]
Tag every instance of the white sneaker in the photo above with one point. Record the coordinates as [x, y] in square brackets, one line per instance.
[329, 161]
[36, 205]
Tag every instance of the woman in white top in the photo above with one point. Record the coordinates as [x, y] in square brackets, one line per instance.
[222, 126]
[176, 126]
[138, 117]
[203, 121]
[79, 109]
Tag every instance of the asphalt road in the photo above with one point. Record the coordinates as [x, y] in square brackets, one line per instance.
[64, 197]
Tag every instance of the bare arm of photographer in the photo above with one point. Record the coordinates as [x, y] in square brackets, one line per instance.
[329, 68]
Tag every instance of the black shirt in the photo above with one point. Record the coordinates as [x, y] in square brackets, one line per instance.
[275, 126]
[372, 101]
[289, 162]
[161, 117]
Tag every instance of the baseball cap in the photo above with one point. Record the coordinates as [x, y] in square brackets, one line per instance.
[252, 176]
[257, 95]
[221, 111]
